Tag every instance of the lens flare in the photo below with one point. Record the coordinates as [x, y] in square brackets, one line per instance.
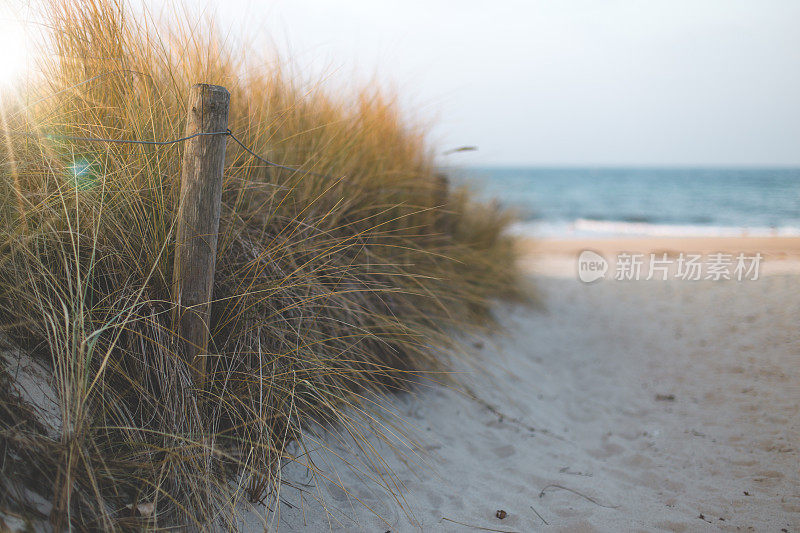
[14, 45]
[82, 173]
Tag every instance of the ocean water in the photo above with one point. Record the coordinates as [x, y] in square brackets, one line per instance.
[585, 202]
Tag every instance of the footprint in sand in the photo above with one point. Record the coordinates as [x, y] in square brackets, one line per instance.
[504, 451]
[608, 450]
[677, 527]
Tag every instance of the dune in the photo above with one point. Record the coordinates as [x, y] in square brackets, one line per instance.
[652, 405]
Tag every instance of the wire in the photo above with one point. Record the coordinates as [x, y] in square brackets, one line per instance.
[123, 141]
[171, 142]
[271, 163]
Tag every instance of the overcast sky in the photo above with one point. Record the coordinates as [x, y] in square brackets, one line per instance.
[701, 82]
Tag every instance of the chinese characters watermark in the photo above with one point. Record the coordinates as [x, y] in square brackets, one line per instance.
[685, 267]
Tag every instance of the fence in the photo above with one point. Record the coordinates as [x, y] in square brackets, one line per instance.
[199, 212]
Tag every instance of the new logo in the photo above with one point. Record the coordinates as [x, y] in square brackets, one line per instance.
[591, 266]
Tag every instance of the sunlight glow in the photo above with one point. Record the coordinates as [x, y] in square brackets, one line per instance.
[13, 51]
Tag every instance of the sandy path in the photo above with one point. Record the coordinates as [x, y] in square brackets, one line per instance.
[585, 389]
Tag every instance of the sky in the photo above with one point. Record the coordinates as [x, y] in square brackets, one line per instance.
[566, 82]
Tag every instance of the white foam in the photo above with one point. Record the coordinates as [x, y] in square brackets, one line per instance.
[583, 228]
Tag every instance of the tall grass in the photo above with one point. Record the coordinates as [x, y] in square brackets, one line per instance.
[328, 291]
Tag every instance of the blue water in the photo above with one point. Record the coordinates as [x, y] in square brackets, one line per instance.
[680, 201]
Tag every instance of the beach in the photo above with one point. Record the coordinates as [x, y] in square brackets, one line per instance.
[557, 256]
[614, 405]
[383, 267]
[769, 247]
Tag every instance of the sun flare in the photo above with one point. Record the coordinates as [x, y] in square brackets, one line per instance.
[14, 46]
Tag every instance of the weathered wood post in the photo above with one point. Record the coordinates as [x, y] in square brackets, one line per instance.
[198, 221]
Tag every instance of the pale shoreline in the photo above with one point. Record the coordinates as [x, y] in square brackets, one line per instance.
[773, 247]
[663, 405]
[557, 257]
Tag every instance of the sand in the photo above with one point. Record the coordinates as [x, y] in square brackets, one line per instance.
[773, 247]
[553, 257]
[616, 406]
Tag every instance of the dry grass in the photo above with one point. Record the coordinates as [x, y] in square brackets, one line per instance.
[328, 291]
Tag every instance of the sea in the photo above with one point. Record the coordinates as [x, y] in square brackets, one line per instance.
[610, 202]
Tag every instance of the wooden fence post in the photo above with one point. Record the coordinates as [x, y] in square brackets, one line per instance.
[198, 222]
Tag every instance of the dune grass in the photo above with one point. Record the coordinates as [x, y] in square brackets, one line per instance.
[329, 290]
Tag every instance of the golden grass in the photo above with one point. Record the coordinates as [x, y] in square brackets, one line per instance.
[328, 292]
